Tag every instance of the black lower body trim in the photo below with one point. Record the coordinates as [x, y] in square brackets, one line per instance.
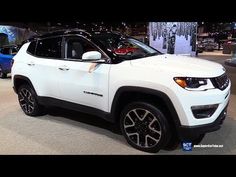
[47, 101]
[193, 132]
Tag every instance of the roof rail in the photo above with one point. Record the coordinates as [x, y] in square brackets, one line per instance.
[63, 31]
[69, 31]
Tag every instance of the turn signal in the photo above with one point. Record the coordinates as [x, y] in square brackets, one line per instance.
[181, 82]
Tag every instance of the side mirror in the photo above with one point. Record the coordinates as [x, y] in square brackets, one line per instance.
[92, 55]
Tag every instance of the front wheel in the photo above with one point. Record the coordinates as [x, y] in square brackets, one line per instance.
[144, 126]
[28, 101]
[198, 140]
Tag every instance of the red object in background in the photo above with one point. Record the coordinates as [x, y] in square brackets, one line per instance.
[227, 46]
[124, 51]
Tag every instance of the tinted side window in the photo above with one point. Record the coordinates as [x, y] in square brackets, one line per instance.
[31, 48]
[76, 47]
[49, 48]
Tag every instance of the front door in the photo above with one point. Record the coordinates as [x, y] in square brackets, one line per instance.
[83, 82]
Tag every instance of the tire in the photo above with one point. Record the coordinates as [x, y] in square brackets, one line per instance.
[198, 140]
[144, 126]
[2, 75]
[28, 101]
[173, 143]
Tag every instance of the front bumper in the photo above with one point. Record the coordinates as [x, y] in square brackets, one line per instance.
[184, 100]
[192, 132]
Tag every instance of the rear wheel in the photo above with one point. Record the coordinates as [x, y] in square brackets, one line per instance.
[2, 74]
[28, 101]
[144, 126]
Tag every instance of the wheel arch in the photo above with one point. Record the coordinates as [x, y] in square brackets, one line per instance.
[18, 80]
[127, 94]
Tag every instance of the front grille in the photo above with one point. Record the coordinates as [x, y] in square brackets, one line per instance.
[220, 82]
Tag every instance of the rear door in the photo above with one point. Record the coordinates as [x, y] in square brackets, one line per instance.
[42, 66]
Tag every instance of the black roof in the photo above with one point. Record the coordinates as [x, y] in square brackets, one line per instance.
[65, 31]
[87, 33]
[57, 33]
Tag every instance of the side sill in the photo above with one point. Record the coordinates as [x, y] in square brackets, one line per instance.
[48, 101]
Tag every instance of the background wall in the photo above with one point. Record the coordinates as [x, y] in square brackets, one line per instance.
[173, 37]
[14, 35]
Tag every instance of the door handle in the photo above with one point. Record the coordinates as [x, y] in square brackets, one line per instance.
[31, 63]
[63, 68]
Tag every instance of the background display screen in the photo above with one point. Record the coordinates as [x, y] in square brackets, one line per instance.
[173, 37]
[14, 35]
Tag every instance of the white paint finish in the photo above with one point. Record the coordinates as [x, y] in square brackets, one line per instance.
[182, 65]
[155, 72]
[92, 55]
[77, 80]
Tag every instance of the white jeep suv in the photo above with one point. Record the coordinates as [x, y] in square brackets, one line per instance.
[158, 99]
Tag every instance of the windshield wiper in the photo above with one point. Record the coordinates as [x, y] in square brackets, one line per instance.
[151, 54]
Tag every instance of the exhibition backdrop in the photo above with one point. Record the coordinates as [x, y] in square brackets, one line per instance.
[173, 37]
[13, 35]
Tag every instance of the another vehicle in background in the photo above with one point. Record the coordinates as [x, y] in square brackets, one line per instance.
[207, 44]
[227, 45]
[200, 47]
[6, 55]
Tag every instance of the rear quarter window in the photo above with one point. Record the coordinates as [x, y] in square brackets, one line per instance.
[49, 48]
[31, 48]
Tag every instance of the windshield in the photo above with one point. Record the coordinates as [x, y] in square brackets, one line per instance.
[126, 47]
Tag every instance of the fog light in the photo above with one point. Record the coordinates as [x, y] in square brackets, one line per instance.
[204, 111]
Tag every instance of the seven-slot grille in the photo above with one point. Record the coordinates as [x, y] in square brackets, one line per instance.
[220, 82]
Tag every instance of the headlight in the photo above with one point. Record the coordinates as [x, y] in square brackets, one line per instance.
[192, 83]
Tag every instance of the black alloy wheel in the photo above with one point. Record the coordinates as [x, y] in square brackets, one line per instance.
[144, 127]
[28, 101]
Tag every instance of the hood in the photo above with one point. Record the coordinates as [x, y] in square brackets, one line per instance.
[181, 65]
